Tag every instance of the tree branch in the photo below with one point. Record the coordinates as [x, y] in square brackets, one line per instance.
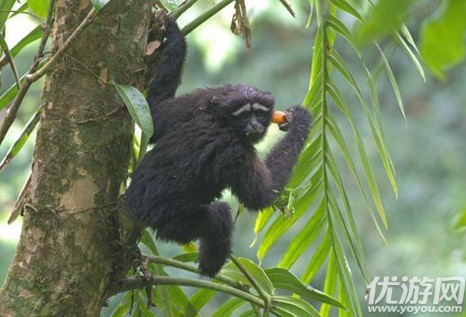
[190, 268]
[140, 282]
[205, 16]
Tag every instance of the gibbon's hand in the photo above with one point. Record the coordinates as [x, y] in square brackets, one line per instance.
[294, 116]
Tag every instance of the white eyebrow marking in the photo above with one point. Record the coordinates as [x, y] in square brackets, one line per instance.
[258, 106]
[246, 107]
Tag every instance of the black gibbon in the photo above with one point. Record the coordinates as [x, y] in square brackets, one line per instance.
[204, 144]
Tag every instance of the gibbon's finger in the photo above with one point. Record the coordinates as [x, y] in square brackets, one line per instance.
[278, 117]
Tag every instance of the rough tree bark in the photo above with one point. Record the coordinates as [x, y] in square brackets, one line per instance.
[69, 247]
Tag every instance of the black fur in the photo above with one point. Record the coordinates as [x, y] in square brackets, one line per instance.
[201, 150]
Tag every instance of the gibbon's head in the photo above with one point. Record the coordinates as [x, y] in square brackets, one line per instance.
[246, 109]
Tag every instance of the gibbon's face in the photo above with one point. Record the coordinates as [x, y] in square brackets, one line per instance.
[246, 109]
[251, 120]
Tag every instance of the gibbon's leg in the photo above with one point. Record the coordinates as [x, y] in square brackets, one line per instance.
[212, 224]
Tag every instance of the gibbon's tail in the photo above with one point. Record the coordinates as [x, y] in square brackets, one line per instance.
[170, 67]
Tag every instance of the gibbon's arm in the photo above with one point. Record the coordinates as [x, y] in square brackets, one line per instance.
[163, 87]
[170, 67]
[259, 185]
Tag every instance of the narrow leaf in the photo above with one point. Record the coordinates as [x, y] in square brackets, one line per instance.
[348, 8]
[32, 36]
[137, 106]
[392, 78]
[304, 239]
[330, 284]
[229, 307]
[281, 225]
[197, 301]
[284, 279]
[291, 306]
[318, 259]
[24, 136]
[5, 8]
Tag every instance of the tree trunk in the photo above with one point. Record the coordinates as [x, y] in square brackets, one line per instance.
[70, 244]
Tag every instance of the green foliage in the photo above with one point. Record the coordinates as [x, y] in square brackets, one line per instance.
[385, 18]
[442, 38]
[39, 7]
[317, 196]
[140, 112]
[460, 222]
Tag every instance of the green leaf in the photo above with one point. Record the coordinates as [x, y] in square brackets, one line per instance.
[347, 7]
[249, 313]
[262, 219]
[339, 27]
[124, 306]
[338, 63]
[187, 257]
[32, 36]
[5, 8]
[137, 106]
[460, 222]
[281, 224]
[197, 301]
[392, 79]
[284, 279]
[442, 38]
[229, 307]
[39, 7]
[318, 259]
[290, 306]
[412, 56]
[330, 284]
[345, 274]
[7, 52]
[385, 18]
[305, 238]
[256, 272]
[147, 238]
[99, 4]
[19, 143]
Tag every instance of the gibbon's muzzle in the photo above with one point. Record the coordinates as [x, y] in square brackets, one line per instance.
[254, 127]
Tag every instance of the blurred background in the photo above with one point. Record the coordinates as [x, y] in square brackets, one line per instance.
[429, 149]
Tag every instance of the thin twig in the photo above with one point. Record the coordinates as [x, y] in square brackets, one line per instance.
[41, 72]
